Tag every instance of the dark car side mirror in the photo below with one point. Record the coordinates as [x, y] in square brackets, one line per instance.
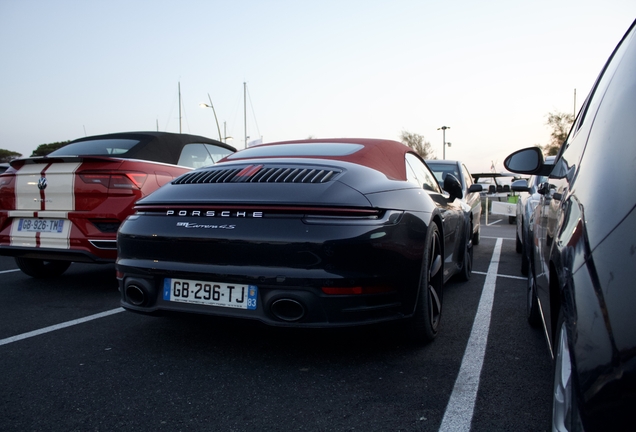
[453, 187]
[475, 188]
[520, 186]
[526, 161]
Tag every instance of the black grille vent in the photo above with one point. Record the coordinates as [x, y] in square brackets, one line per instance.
[260, 174]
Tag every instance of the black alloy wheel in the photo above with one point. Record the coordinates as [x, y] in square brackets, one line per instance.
[525, 262]
[477, 236]
[565, 413]
[42, 269]
[428, 310]
[467, 259]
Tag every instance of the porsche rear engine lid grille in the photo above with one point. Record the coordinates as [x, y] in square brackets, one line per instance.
[260, 174]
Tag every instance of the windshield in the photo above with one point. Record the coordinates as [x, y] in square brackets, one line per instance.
[441, 170]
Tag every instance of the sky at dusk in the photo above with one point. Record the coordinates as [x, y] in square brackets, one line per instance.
[490, 70]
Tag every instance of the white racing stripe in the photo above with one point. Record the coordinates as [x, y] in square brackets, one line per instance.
[58, 326]
[459, 411]
[54, 202]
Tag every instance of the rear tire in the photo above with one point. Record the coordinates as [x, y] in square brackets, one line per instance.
[424, 324]
[477, 236]
[565, 412]
[42, 269]
[467, 260]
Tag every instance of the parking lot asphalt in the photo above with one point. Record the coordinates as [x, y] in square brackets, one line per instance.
[71, 359]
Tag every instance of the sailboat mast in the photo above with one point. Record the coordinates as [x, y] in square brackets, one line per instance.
[179, 106]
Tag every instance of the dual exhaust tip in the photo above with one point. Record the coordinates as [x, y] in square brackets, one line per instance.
[288, 310]
[285, 309]
[136, 295]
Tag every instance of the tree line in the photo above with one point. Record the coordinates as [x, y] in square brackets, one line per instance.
[559, 124]
[41, 150]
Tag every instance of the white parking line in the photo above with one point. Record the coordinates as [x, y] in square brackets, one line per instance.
[9, 271]
[505, 238]
[504, 276]
[459, 411]
[59, 326]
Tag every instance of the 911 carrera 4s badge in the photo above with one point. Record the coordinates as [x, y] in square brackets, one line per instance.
[210, 293]
[204, 226]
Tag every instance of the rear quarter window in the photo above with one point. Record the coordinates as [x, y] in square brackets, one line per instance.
[105, 147]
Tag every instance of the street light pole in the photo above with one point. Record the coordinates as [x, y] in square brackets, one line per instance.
[443, 129]
[204, 105]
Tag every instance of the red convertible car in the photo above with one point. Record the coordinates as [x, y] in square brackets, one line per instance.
[68, 205]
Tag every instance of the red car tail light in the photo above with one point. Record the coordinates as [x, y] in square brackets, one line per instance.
[7, 192]
[115, 182]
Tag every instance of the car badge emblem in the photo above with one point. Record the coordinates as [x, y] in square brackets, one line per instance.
[42, 183]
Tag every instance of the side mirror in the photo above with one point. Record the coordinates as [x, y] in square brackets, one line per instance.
[453, 187]
[526, 161]
[475, 188]
[520, 186]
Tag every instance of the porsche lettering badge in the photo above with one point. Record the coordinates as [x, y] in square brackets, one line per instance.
[215, 213]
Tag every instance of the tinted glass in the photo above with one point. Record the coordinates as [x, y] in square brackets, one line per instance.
[574, 146]
[467, 178]
[425, 177]
[200, 155]
[441, 170]
[605, 183]
[318, 149]
[102, 147]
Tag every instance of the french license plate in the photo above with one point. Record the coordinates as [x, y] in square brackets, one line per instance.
[210, 293]
[41, 225]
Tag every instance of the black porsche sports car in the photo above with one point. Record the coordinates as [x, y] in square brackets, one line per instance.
[582, 275]
[314, 233]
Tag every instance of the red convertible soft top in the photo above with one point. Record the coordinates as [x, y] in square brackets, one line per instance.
[385, 156]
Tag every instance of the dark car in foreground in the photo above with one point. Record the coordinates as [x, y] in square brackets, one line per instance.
[581, 284]
[315, 233]
[68, 205]
[470, 191]
[530, 193]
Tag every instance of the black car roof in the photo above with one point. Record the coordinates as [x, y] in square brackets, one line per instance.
[157, 146]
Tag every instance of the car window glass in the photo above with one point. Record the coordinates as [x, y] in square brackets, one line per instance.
[101, 147]
[467, 178]
[441, 170]
[574, 145]
[607, 167]
[200, 155]
[410, 175]
[216, 153]
[424, 176]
